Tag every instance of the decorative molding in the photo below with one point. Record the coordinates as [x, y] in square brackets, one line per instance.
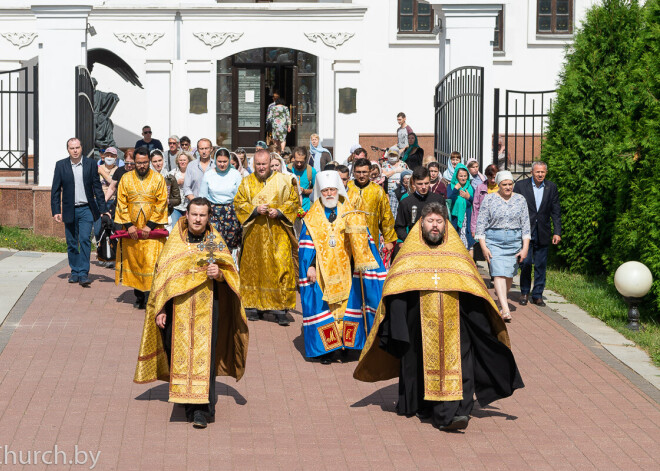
[333, 40]
[20, 39]
[143, 40]
[217, 39]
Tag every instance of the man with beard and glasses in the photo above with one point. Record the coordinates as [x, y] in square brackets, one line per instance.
[195, 327]
[438, 329]
[341, 273]
[141, 208]
[372, 199]
[266, 205]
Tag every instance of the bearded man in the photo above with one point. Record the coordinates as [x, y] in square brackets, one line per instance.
[266, 205]
[438, 329]
[195, 327]
[341, 273]
[372, 199]
[141, 208]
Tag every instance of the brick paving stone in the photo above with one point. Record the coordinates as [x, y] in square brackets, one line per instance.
[66, 379]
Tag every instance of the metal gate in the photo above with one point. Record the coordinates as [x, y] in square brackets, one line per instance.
[459, 114]
[85, 129]
[524, 122]
[19, 124]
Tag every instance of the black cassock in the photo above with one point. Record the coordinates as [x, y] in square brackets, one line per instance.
[488, 366]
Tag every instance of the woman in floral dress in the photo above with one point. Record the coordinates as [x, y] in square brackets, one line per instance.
[280, 119]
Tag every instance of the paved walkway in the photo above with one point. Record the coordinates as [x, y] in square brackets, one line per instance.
[66, 380]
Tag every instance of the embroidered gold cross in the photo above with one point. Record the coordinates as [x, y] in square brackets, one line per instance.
[435, 278]
[211, 246]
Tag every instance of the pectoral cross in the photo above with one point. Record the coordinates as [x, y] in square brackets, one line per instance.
[209, 244]
[435, 278]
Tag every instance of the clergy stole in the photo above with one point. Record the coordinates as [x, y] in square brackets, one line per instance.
[191, 345]
[441, 346]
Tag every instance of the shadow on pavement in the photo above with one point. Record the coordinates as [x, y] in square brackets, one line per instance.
[385, 398]
[489, 411]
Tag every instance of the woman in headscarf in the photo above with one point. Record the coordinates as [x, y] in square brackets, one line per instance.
[277, 164]
[403, 189]
[377, 176]
[220, 187]
[454, 160]
[179, 175]
[413, 155]
[319, 156]
[476, 177]
[503, 231]
[461, 193]
[236, 163]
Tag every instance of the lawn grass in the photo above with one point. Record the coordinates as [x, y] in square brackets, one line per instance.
[598, 297]
[25, 239]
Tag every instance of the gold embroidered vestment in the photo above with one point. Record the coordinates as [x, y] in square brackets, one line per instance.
[373, 200]
[181, 277]
[439, 273]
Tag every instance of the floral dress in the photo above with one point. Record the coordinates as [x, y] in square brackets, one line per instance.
[280, 119]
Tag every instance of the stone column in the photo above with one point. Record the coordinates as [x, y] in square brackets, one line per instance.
[62, 46]
[466, 40]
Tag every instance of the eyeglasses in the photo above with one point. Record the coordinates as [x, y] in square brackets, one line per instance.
[172, 143]
[126, 164]
[142, 164]
[146, 132]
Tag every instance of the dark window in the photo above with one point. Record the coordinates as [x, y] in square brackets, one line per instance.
[498, 40]
[415, 16]
[554, 17]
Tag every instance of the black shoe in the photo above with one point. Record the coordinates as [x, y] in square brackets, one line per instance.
[282, 320]
[84, 281]
[199, 419]
[252, 315]
[538, 302]
[460, 422]
[73, 279]
[423, 414]
[326, 359]
[524, 298]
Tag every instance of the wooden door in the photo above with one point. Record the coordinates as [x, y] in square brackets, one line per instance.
[248, 107]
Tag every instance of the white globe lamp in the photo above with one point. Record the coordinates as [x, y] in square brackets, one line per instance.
[633, 281]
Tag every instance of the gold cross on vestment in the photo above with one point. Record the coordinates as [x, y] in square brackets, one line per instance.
[209, 244]
[435, 278]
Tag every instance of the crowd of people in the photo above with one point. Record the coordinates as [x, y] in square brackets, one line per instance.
[372, 244]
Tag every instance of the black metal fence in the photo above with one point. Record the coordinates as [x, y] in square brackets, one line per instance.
[518, 132]
[19, 123]
[459, 114]
[85, 129]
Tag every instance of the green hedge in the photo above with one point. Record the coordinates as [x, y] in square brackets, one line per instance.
[603, 141]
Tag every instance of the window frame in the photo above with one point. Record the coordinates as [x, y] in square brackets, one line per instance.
[414, 16]
[553, 18]
[499, 31]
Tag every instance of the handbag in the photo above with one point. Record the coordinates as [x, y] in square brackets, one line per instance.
[106, 248]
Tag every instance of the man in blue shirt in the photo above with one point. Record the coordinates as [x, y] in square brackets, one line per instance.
[305, 174]
[147, 141]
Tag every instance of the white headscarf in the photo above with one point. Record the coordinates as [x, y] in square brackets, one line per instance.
[329, 179]
[503, 175]
[285, 170]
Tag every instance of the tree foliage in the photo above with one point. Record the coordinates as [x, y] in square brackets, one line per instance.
[603, 141]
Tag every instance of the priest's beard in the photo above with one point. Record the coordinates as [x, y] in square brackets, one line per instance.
[329, 201]
[142, 172]
[433, 238]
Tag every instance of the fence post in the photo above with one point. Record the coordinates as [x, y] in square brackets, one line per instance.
[496, 126]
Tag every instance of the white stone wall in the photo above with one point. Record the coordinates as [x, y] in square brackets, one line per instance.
[392, 72]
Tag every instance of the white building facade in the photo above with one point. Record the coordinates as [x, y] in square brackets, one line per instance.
[345, 68]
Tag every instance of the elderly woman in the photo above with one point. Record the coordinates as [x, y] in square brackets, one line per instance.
[503, 232]
[179, 174]
[319, 156]
[220, 187]
[377, 176]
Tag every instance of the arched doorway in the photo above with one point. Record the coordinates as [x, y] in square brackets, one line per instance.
[246, 82]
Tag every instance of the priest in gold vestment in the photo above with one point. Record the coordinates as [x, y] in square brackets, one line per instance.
[266, 205]
[195, 326]
[438, 329]
[141, 208]
[372, 199]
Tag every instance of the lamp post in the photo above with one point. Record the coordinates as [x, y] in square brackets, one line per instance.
[633, 280]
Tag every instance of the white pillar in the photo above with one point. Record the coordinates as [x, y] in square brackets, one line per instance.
[62, 47]
[347, 126]
[468, 32]
[157, 109]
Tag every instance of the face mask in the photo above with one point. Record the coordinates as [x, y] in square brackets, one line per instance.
[392, 159]
[110, 160]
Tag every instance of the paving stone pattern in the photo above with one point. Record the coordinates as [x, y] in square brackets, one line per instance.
[66, 379]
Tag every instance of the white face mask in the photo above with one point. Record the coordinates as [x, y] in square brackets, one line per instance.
[110, 160]
[392, 159]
